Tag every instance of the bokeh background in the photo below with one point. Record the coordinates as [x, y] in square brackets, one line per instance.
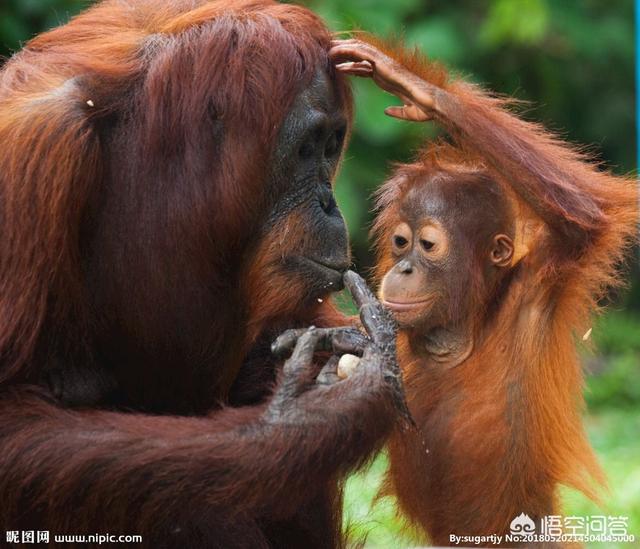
[575, 62]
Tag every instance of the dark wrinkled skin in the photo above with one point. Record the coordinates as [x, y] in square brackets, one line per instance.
[304, 163]
[378, 352]
[308, 152]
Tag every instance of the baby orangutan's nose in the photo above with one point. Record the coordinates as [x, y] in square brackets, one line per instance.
[404, 267]
[403, 283]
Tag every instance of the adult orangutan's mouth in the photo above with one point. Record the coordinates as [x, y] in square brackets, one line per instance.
[329, 275]
[339, 268]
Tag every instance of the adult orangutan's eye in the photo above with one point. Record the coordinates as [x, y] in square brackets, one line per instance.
[306, 150]
[335, 142]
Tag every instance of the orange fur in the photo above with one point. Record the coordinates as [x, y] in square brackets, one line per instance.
[136, 144]
[500, 432]
[114, 59]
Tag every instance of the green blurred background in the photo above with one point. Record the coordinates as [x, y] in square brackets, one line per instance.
[574, 60]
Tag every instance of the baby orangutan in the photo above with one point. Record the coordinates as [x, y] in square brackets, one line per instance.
[493, 255]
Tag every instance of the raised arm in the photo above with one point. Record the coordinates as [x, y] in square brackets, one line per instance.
[577, 200]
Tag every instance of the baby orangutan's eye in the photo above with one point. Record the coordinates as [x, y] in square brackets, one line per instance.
[400, 241]
[426, 245]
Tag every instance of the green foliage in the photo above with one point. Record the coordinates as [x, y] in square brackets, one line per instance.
[575, 62]
[22, 19]
[615, 379]
[618, 384]
[613, 399]
[613, 424]
[374, 519]
[614, 436]
[618, 332]
[521, 22]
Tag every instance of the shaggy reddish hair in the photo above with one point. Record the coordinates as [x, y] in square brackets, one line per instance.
[170, 66]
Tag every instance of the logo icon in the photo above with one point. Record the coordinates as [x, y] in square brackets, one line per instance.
[522, 525]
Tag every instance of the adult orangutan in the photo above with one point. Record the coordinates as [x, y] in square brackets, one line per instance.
[492, 256]
[166, 208]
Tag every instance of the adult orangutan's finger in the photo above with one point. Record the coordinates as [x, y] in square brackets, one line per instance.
[374, 317]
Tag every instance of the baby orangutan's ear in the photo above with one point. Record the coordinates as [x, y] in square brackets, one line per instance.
[502, 251]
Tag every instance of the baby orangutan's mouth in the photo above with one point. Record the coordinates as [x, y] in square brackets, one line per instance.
[404, 306]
